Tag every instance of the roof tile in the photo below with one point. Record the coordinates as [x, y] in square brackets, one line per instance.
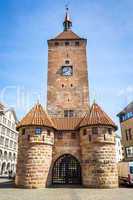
[36, 116]
[97, 116]
[67, 35]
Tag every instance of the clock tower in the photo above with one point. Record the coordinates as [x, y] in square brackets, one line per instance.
[68, 93]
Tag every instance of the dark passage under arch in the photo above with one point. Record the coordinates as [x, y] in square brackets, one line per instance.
[66, 170]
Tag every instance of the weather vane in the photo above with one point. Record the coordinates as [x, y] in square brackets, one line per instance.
[67, 6]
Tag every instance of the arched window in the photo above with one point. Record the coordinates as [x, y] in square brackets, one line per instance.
[5, 155]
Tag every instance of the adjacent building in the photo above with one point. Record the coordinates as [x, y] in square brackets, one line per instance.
[118, 148]
[70, 142]
[126, 123]
[8, 140]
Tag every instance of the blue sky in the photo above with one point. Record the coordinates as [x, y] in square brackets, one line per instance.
[25, 27]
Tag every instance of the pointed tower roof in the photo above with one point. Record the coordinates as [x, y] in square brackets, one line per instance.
[67, 24]
[97, 116]
[67, 35]
[36, 116]
[67, 32]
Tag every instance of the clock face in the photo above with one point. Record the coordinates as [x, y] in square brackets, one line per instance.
[67, 70]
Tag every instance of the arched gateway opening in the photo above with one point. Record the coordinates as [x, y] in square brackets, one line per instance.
[66, 170]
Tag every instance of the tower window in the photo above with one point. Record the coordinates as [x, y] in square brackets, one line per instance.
[62, 85]
[67, 43]
[67, 62]
[71, 85]
[68, 113]
[38, 131]
[94, 130]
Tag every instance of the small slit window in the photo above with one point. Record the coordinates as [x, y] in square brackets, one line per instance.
[23, 131]
[71, 85]
[84, 132]
[67, 62]
[89, 138]
[48, 132]
[110, 131]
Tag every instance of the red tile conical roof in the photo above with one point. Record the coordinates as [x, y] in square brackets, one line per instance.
[97, 116]
[36, 116]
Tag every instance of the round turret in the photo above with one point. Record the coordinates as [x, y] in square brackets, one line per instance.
[36, 138]
[97, 140]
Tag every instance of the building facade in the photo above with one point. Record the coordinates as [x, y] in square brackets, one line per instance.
[70, 142]
[126, 123]
[118, 148]
[8, 140]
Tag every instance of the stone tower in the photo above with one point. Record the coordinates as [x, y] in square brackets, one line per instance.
[67, 74]
[71, 143]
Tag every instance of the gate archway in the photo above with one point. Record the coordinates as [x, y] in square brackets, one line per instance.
[66, 170]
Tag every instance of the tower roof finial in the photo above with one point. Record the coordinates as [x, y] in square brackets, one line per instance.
[67, 24]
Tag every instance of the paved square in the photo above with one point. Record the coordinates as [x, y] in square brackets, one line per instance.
[7, 192]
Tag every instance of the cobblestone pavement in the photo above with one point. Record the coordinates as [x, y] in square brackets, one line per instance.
[8, 192]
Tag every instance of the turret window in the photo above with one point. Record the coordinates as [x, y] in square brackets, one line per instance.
[94, 130]
[56, 43]
[89, 138]
[76, 43]
[48, 132]
[38, 131]
[110, 131]
[60, 135]
[23, 131]
[84, 132]
[73, 135]
[67, 43]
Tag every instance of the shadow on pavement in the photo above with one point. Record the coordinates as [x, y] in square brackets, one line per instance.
[7, 184]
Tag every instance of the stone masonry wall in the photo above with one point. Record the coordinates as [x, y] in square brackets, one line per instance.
[34, 160]
[99, 169]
